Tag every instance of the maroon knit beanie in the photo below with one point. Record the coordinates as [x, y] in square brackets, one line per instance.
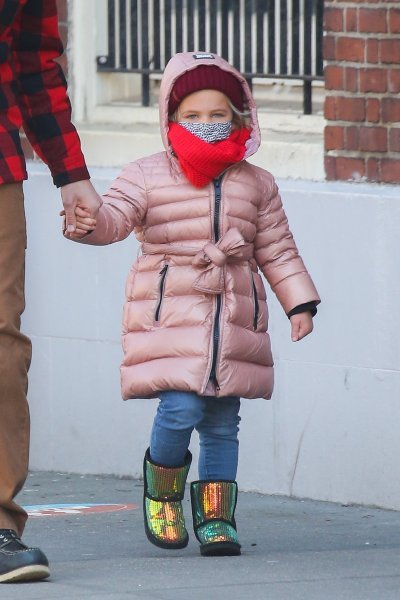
[206, 77]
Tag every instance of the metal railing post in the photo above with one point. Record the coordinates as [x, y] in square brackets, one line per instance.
[282, 40]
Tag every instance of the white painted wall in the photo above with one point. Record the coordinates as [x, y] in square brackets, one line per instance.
[332, 429]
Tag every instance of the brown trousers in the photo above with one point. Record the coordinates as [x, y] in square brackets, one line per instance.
[15, 357]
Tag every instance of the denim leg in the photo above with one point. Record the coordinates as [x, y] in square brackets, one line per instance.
[177, 415]
[218, 432]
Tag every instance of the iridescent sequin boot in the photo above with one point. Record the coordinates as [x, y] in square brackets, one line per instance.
[164, 488]
[213, 509]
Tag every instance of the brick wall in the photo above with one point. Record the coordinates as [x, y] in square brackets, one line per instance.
[362, 80]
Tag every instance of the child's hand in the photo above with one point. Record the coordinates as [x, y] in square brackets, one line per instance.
[84, 224]
[302, 325]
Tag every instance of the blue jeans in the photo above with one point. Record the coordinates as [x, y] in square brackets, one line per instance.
[215, 419]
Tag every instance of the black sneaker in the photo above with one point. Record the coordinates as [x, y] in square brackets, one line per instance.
[18, 562]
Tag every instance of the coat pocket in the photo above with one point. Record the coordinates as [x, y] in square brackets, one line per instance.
[256, 304]
[260, 308]
[161, 288]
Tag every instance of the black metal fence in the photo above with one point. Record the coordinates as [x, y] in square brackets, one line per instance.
[280, 39]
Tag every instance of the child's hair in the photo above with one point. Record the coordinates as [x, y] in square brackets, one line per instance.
[239, 119]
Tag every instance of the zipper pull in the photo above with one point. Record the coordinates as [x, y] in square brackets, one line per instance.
[163, 270]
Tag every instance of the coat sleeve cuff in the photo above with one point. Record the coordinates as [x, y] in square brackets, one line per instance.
[100, 236]
[306, 307]
[296, 290]
[71, 176]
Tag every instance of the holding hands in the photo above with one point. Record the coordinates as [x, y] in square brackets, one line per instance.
[81, 205]
[84, 223]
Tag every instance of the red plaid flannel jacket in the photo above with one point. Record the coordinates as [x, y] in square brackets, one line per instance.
[33, 94]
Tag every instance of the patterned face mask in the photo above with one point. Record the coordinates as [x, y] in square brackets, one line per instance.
[209, 132]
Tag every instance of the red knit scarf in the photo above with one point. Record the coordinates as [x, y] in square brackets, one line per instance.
[201, 161]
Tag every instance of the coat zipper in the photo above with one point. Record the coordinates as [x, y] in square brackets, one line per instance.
[163, 275]
[216, 328]
[217, 207]
[256, 304]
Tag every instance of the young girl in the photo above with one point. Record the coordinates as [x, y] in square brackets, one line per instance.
[195, 317]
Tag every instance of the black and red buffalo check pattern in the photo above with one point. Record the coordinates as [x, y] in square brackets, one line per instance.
[33, 94]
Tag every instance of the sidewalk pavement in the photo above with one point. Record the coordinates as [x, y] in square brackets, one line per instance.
[292, 549]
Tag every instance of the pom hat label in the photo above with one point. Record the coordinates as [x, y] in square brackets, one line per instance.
[203, 55]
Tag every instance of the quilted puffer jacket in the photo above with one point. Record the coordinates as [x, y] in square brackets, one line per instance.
[196, 316]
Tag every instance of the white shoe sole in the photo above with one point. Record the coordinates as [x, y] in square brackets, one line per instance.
[29, 573]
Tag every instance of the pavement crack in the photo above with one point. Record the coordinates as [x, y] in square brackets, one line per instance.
[299, 449]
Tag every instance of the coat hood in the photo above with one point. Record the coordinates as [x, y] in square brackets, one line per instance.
[186, 61]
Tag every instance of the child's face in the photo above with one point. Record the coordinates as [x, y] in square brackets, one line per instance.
[205, 106]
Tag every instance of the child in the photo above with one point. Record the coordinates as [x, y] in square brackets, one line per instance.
[195, 317]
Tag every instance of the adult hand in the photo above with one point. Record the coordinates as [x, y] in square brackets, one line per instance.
[83, 194]
[302, 325]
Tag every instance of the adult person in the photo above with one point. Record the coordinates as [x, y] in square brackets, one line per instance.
[32, 95]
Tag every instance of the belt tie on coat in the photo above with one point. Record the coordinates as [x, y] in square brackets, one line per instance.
[213, 257]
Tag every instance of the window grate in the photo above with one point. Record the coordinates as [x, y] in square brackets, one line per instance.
[280, 39]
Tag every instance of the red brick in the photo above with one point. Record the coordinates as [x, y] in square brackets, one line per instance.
[329, 49]
[330, 168]
[390, 51]
[351, 79]
[373, 139]
[333, 77]
[330, 108]
[350, 49]
[394, 139]
[350, 168]
[394, 20]
[353, 1]
[390, 110]
[373, 80]
[334, 137]
[333, 19]
[390, 171]
[373, 169]
[373, 51]
[351, 138]
[351, 19]
[357, 1]
[336, 2]
[372, 20]
[394, 81]
[373, 110]
[350, 109]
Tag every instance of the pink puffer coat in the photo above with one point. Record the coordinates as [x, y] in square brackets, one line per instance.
[195, 317]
